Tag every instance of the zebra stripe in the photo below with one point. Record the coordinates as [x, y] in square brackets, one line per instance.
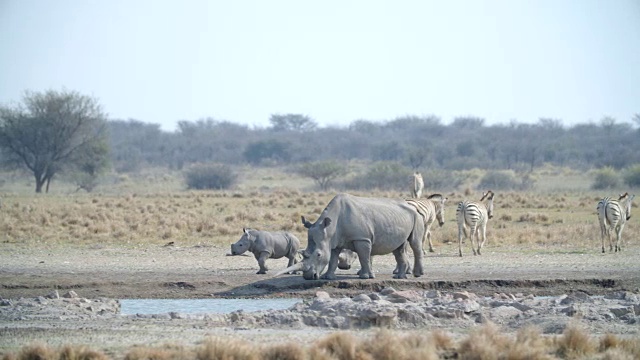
[430, 209]
[613, 214]
[417, 184]
[474, 215]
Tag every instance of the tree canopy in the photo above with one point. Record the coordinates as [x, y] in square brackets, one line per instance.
[53, 131]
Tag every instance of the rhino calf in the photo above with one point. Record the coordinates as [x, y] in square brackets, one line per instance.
[346, 259]
[265, 245]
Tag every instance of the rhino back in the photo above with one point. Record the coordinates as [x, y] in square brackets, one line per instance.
[278, 244]
[387, 222]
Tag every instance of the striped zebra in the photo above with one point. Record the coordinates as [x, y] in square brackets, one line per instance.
[430, 209]
[614, 213]
[417, 185]
[474, 215]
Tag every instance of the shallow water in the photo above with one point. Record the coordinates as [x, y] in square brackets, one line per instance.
[197, 306]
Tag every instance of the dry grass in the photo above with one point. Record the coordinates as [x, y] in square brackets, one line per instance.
[136, 215]
[67, 352]
[483, 342]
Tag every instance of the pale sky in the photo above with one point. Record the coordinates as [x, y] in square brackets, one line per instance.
[162, 61]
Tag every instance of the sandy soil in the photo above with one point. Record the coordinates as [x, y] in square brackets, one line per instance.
[206, 271]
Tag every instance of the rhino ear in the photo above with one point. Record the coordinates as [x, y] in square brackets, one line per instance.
[305, 222]
[244, 230]
[326, 222]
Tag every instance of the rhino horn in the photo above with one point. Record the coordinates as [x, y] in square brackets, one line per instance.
[292, 268]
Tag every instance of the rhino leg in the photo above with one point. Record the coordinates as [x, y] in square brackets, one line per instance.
[401, 261]
[292, 261]
[363, 249]
[416, 246]
[262, 259]
[333, 265]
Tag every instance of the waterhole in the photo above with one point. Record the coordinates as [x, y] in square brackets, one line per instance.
[198, 306]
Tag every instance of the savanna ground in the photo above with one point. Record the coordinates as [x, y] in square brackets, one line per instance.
[147, 237]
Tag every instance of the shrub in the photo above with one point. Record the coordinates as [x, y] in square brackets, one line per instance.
[606, 178]
[632, 176]
[500, 180]
[382, 175]
[210, 176]
[440, 180]
[322, 172]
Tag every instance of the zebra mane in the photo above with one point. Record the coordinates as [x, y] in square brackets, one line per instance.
[622, 196]
[435, 196]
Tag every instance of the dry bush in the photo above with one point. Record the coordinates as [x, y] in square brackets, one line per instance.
[574, 343]
[67, 352]
[226, 349]
[615, 348]
[37, 352]
[485, 342]
[338, 345]
[166, 352]
[288, 351]
[530, 344]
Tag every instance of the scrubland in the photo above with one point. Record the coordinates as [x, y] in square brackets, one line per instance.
[153, 209]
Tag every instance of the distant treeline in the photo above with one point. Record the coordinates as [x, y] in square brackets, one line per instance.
[417, 142]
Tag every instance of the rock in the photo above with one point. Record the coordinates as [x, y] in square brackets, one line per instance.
[322, 295]
[362, 298]
[519, 306]
[575, 297]
[432, 294]
[387, 291]
[375, 296]
[621, 311]
[464, 295]
[405, 296]
[502, 313]
[570, 310]
[53, 295]
[70, 295]
[559, 299]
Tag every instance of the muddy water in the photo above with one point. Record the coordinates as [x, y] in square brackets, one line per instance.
[197, 306]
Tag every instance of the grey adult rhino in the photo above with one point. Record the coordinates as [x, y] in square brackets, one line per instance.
[367, 226]
[265, 245]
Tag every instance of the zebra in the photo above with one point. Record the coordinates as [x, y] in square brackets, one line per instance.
[614, 213]
[417, 185]
[430, 209]
[475, 215]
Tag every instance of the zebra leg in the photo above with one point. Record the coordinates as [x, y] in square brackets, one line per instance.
[619, 237]
[483, 229]
[473, 232]
[603, 232]
[461, 230]
[427, 238]
[611, 226]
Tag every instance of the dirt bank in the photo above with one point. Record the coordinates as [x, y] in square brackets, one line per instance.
[201, 272]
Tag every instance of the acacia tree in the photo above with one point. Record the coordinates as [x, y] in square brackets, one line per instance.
[49, 131]
[292, 122]
[322, 172]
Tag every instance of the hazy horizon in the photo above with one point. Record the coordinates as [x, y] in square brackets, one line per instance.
[164, 61]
